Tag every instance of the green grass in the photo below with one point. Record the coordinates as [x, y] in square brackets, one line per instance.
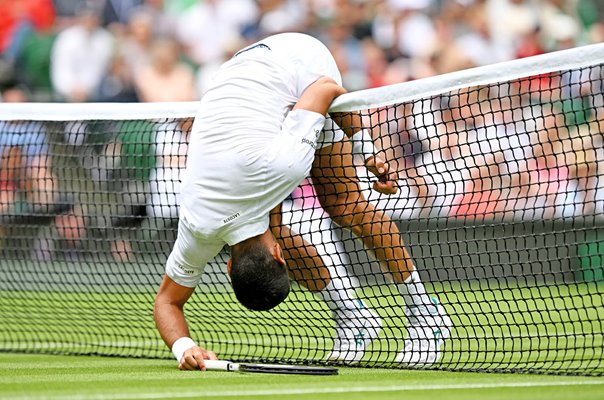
[548, 328]
[82, 377]
[555, 328]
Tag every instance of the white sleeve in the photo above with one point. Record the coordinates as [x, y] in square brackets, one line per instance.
[288, 161]
[295, 151]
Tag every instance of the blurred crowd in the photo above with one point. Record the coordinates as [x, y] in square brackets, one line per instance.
[156, 50]
[501, 151]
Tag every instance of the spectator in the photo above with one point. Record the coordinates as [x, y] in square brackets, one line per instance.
[70, 229]
[32, 66]
[20, 17]
[81, 56]
[549, 187]
[477, 42]
[456, 161]
[166, 78]
[404, 27]
[529, 45]
[560, 26]
[117, 85]
[132, 55]
[28, 186]
[401, 147]
[25, 169]
[493, 150]
[418, 37]
[135, 48]
[577, 133]
[278, 16]
[67, 10]
[116, 13]
[171, 146]
[348, 53]
[164, 22]
[511, 22]
[377, 64]
[130, 155]
[209, 26]
[24, 25]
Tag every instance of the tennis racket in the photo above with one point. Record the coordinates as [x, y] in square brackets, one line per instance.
[223, 365]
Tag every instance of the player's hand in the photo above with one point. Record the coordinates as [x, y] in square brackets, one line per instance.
[386, 182]
[193, 358]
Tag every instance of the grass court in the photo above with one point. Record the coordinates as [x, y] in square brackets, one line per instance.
[26, 376]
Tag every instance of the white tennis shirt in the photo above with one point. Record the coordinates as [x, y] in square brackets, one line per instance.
[248, 151]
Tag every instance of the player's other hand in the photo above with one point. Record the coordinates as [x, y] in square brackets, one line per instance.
[193, 358]
[386, 182]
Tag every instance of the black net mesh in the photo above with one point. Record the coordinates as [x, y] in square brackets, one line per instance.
[500, 207]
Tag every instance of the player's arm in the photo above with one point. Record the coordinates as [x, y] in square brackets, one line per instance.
[319, 96]
[362, 145]
[169, 316]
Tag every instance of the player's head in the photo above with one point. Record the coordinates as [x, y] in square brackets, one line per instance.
[258, 273]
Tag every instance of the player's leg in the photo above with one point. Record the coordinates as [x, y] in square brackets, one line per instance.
[329, 283]
[308, 268]
[336, 184]
[304, 264]
[338, 191]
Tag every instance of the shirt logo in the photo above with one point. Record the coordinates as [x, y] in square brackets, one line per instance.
[308, 142]
[232, 217]
[185, 270]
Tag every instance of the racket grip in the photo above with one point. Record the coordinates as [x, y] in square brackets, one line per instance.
[220, 365]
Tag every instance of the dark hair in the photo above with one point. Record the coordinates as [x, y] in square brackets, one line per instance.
[259, 281]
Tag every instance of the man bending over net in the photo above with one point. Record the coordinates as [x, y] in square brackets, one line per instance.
[252, 143]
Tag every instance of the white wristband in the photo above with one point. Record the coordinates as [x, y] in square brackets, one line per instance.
[181, 345]
[362, 144]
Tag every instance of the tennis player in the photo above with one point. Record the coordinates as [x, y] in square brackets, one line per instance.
[259, 132]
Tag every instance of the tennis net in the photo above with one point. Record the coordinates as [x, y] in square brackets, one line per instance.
[500, 205]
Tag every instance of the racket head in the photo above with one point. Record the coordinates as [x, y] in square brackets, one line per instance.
[286, 369]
